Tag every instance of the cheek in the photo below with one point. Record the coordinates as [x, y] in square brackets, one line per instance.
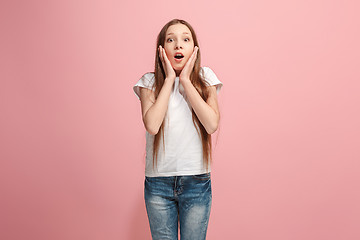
[188, 55]
[167, 52]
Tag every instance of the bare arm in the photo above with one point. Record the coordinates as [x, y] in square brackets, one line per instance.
[153, 111]
[207, 112]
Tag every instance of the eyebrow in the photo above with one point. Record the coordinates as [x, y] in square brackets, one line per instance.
[173, 33]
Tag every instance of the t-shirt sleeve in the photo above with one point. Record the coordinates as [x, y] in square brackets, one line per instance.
[146, 81]
[212, 79]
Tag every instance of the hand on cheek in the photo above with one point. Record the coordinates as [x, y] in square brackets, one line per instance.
[169, 71]
[188, 68]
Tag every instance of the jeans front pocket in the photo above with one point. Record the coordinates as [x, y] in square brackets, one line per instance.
[202, 177]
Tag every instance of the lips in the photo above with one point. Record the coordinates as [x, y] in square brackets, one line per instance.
[178, 55]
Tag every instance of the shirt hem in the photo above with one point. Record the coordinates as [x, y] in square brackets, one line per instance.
[182, 173]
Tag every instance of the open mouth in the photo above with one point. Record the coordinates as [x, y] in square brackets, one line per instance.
[179, 56]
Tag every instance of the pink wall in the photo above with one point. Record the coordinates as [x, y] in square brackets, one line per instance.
[72, 146]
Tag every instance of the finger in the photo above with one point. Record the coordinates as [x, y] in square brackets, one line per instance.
[195, 51]
[192, 56]
[162, 57]
[165, 57]
[166, 61]
[195, 55]
[191, 60]
[164, 54]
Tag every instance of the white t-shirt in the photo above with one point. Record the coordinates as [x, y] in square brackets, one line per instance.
[183, 146]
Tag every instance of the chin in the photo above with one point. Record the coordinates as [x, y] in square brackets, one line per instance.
[177, 68]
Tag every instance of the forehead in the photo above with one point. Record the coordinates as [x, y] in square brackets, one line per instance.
[178, 29]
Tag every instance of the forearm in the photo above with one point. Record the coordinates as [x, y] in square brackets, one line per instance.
[206, 114]
[156, 113]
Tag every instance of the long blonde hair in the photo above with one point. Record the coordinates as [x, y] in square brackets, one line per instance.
[199, 83]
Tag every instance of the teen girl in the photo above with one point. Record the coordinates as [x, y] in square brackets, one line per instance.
[180, 112]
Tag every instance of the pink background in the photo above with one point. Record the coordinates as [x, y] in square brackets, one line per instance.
[286, 158]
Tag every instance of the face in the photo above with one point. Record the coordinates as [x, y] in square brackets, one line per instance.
[178, 39]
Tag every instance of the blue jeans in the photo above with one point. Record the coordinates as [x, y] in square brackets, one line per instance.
[184, 199]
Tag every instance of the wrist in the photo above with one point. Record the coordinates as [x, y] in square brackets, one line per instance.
[184, 80]
[170, 79]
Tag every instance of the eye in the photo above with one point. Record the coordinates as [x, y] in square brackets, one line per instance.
[169, 39]
[187, 39]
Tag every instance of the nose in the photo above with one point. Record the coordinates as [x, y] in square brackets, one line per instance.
[178, 45]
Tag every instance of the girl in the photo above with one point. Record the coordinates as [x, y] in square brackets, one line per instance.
[180, 112]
